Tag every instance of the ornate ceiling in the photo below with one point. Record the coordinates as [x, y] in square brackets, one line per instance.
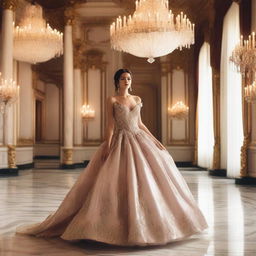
[200, 12]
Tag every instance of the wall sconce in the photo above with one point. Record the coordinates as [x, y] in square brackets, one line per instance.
[87, 113]
[178, 111]
[9, 92]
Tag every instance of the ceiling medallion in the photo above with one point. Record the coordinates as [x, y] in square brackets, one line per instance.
[152, 31]
[34, 39]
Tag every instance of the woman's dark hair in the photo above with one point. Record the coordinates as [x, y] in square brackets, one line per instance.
[118, 75]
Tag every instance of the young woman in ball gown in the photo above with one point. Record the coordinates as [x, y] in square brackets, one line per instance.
[131, 192]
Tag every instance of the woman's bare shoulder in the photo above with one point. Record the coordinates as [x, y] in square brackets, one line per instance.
[111, 99]
[137, 98]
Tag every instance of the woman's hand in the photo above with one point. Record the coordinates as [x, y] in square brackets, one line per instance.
[159, 145]
[105, 152]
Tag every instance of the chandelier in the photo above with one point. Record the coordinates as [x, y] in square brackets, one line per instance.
[178, 111]
[250, 92]
[87, 113]
[244, 55]
[152, 31]
[34, 39]
[9, 92]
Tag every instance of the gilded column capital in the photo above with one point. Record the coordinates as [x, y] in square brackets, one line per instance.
[165, 68]
[93, 59]
[69, 16]
[67, 156]
[9, 4]
[79, 52]
[12, 156]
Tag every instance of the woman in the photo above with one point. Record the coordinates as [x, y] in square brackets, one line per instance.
[131, 193]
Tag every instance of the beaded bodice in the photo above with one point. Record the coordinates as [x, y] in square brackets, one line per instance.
[125, 118]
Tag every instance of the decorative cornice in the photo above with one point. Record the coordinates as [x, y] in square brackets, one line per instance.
[9, 4]
[79, 52]
[69, 16]
[93, 59]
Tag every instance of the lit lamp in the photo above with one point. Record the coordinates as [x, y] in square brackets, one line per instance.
[244, 54]
[178, 111]
[9, 92]
[34, 40]
[152, 30]
[87, 113]
[250, 92]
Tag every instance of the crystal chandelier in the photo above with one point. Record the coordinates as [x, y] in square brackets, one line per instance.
[178, 111]
[87, 113]
[244, 55]
[9, 92]
[34, 39]
[152, 31]
[250, 92]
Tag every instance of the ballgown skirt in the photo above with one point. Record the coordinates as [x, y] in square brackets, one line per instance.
[137, 196]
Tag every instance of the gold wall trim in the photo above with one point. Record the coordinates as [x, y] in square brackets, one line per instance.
[11, 156]
[67, 156]
[170, 140]
[9, 4]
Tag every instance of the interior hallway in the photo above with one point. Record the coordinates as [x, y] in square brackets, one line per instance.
[31, 196]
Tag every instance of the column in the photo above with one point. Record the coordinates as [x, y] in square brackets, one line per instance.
[164, 104]
[7, 73]
[79, 48]
[68, 115]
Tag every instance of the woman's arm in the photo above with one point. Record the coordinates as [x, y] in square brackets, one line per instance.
[110, 127]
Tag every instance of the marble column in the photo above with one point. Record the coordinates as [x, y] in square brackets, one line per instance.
[68, 115]
[7, 73]
[164, 85]
[78, 102]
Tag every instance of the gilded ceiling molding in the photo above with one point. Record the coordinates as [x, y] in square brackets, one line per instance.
[9, 4]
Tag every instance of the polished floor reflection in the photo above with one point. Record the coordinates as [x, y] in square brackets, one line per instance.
[229, 209]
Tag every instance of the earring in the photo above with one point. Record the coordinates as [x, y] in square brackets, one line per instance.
[130, 89]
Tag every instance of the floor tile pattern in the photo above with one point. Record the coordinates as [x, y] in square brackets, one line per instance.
[230, 211]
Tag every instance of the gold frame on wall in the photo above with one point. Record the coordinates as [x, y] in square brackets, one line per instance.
[93, 60]
[169, 99]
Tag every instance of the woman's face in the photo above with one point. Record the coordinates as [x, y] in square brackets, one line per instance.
[125, 81]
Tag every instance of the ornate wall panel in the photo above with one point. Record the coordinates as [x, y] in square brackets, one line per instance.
[177, 90]
[25, 106]
[95, 95]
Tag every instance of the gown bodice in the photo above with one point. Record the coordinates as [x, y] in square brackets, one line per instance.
[125, 118]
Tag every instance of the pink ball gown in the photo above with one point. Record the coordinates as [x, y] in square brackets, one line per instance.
[137, 196]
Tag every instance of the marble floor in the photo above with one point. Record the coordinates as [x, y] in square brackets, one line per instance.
[229, 209]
